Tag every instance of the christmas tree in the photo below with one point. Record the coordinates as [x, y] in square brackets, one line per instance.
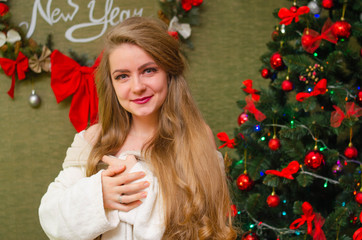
[298, 174]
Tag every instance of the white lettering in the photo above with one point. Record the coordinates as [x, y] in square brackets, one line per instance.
[53, 16]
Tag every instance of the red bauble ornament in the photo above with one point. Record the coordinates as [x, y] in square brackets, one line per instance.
[276, 61]
[287, 86]
[244, 182]
[293, 9]
[341, 29]
[327, 4]
[307, 40]
[250, 236]
[358, 197]
[359, 98]
[314, 159]
[275, 35]
[350, 152]
[265, 73]
[273, 200]
[274, 144]
[243, 117]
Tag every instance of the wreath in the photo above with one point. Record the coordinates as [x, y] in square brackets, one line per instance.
[72, 75]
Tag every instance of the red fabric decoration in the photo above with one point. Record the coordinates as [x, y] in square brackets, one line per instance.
[358, 233]
[293, 167]
[69, 78]
[187, 4]
[173, 34]
[230, 143]
[249, 84]
[319, 89]
[259, 116]
[317, 232]
[287, 15]
[307, 217]
[315, 39]
[351, 111]
[9, 66]
[4, 9]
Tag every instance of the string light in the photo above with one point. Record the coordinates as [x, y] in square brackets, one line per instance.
[261, 174]
[252, 226]
[257, 128]
[326, 184]
[284, 213]
[316, 15]
[284, 201]
[239, 162]
[315, 54]
[332, 92]
[262, 138]
[292, 124]
[297, 233]
[309, 89]
[343, 204]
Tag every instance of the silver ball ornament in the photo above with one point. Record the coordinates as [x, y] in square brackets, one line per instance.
[34, 99]
[313, 7]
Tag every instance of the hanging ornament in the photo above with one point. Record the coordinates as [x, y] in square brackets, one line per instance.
[273, 199]
[312, 74]
[34, 99]
[265, 73]
[327, 4]
[244, 182]
[250, 236]
[358, 197]
[359, 98]
[276, 61]
[337, 168]
[275, 34]
[314, 7]
[243, 117]
[350, 152]
[274, 143]
[287, 85]
[314, 158]
[341, 29]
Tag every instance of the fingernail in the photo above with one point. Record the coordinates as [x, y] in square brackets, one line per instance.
[144, 194]
[146, 184]
[142, 174]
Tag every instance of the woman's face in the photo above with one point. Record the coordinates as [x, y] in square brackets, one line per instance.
[140, 84]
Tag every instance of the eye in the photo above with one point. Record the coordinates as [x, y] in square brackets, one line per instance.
[150, 70]
[121, 77]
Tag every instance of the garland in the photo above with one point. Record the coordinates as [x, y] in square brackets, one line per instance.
[23, 58]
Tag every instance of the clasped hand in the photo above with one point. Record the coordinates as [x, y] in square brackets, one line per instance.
[116, 182]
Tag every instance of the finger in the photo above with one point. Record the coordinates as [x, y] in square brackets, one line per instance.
[126, 199]
[131, 158]
[130, 177]
[128, 207]
[132, 188]
[113, 171]
[110, 160]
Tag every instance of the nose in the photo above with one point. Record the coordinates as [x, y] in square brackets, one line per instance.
[137, 85]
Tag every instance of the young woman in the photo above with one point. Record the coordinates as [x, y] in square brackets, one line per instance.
[174, 185]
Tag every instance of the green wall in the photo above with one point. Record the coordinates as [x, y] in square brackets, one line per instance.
[228, 44]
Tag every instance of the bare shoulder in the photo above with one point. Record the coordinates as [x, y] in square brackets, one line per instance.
[92, 133]
[211, 135]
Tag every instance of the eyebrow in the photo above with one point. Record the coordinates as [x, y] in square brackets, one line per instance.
[141, 67]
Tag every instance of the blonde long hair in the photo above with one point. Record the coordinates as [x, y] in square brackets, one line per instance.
[182, 156]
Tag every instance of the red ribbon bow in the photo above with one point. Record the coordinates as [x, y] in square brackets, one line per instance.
[316, 38]
[67, 78]
[287, 15]
[358, 233]
[308, 217]
[230, 143]
[187, 4]
[248, 89]
[351, 111]
[319, 89]
[317, 232]
[259, 116]
[9, 66]
[286, 172]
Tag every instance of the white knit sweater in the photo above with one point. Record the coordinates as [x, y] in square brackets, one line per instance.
[72, 208]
